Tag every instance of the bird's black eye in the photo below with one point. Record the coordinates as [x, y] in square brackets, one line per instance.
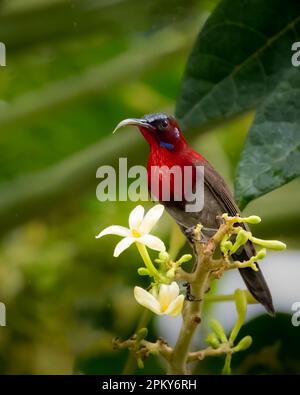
[163, 124]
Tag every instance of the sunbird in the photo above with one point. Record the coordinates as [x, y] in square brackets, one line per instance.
[168, 148]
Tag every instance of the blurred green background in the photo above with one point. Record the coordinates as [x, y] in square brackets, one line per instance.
[75, 69]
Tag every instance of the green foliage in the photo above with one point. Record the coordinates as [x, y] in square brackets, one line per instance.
[241, 52]
[240, 55]
[271, 156]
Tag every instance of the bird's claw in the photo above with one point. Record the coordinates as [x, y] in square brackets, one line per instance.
[194, 234]
[189, 297]
[192, 298]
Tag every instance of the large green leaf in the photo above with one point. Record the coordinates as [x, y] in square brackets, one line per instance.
[271, 156]
[240, 54]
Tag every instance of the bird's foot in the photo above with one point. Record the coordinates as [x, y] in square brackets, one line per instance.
[192, 298]
[194, 234]
[189, 297]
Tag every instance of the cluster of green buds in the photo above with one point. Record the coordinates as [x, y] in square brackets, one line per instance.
[217, 339]
[242, 236]
[168, 266]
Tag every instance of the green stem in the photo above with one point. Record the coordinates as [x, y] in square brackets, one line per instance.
[208, 352]
[227, 368]
[149, 265]
[241, 309]
[229, 298]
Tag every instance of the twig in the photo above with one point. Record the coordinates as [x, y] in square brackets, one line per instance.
[208, 352]
[144, 347]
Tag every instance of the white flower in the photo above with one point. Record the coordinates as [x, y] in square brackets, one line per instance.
[167, 301]
[138, 231]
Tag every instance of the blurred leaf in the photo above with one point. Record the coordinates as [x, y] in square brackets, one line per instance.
[35, 192]
[98, 79]
[95, 361]
[114, 363]
[271, 156]
[100, 363]
[275, 348]
[232, 137]
[240, 54]
[40, 24]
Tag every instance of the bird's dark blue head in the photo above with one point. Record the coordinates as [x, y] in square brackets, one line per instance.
[160, 130]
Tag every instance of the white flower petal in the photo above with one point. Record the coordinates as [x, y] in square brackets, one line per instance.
[147, 300]
[167, 293]
[114, 230]
[136, 217]
[122, 245]
[175, 307]
[151, 218]
[152, 242]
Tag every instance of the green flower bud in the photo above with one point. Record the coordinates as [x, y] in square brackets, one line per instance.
[171, 273]
[261, 254]
[270, 244]
[212, 340]
[252, 219]
[218, 329]
[243, 345]
[140, 363]
[164, 256]
[226, 246]
[183, 259]
[141, 334]
[142, 271]
[241, 239]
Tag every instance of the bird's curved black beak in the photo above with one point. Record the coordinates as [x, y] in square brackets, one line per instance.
[134, 122]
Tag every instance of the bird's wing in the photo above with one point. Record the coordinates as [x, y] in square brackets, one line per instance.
[215, 183]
